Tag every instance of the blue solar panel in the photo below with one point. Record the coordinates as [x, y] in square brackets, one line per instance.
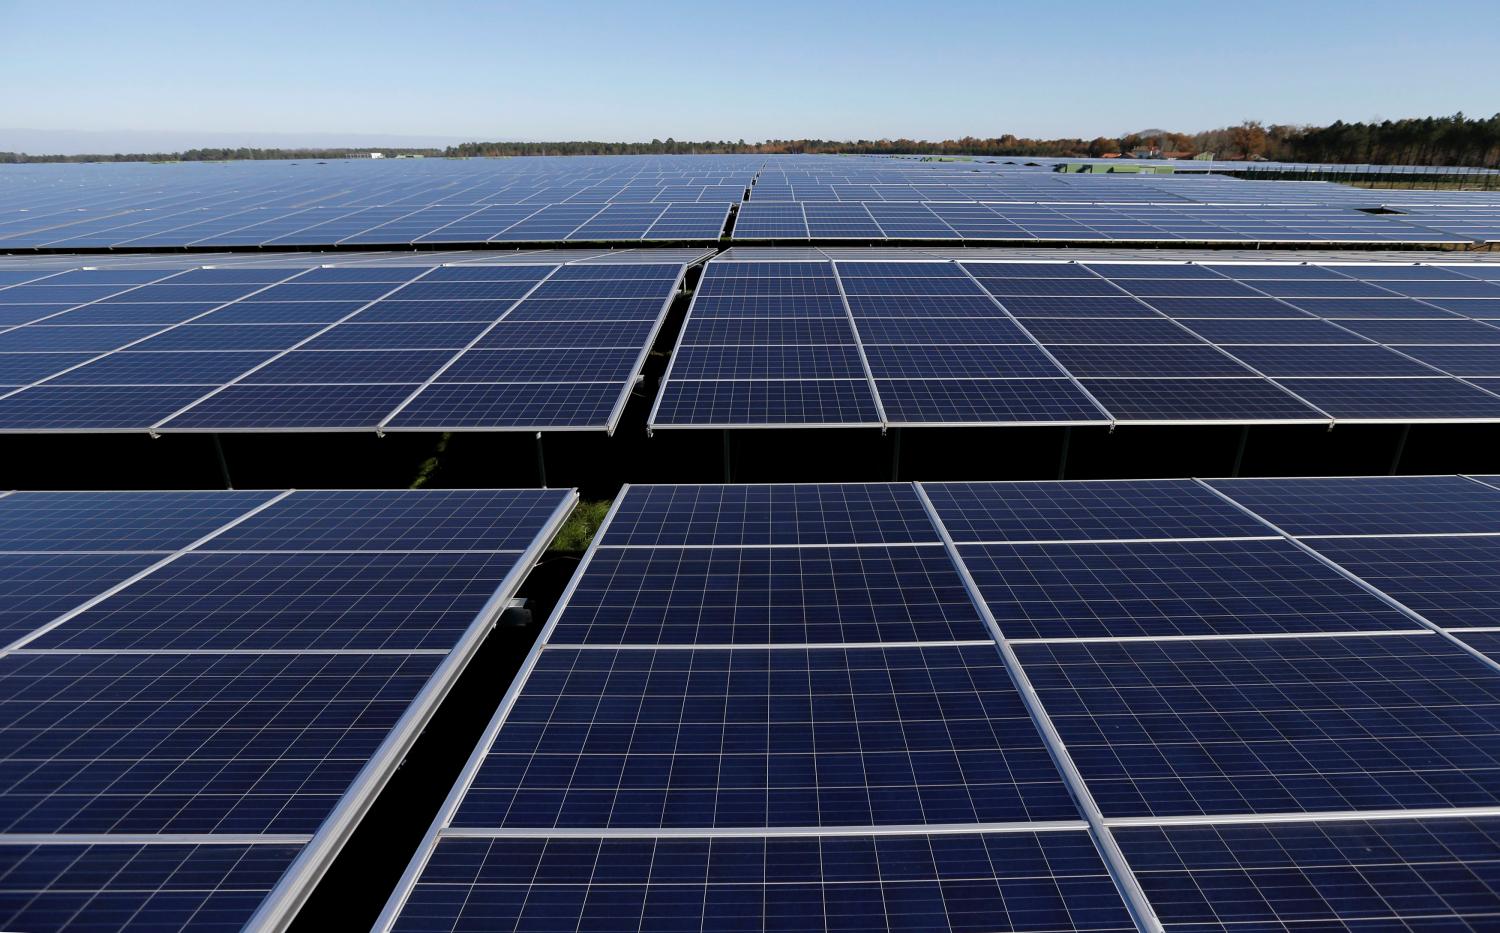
[754, 306]
[1450, 581]
[959, 362]
[213, 888]
[269, 407]
[956, 305]
[161, 314]
[1120, 306]
[1228, 399]
[275, 601]
[46, 338]
[1186, 308]
[1459, 361]
[997, 881]
[152, 758]
[23, 368]
[741, 515]
[599, 364]
[339, 352]
[1370, 505]
[766, 402]
[229, 337]
[1285, 725]
[1369, 309]
[37, 588]
[382, 520]
[987, 401]
[652, 738]
[1402, 399]
[751, 362]
[434, 336]
[940, 330]
[235, 696]
[1147, 361]
[340, 367]
[806, 595]
[1331, 361]
[1256, 331]
[1426, 332]
[1170, 588]
[118, 521]
[1086, 510]
[146, 368]
[1437, 874]
[514, 405]
[288, 312]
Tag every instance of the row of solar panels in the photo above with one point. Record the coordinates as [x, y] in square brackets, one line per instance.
[775, 184]
[757, 220]
[201, 692]
[637, 179]
[998, 706]
[1148, 223]
[339, 226]
[376, 347]
[775, 343]
[768, 342]
[1015, 706]
[366, 183]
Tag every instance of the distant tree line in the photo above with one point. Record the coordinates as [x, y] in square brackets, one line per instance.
[212, 155]
[1455, 140]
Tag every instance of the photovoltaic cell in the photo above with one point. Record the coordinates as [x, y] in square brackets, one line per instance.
[1114, 589]
[653, 738]
[383, 520]
[1370, 505]
[1358, 874]
[290, 600]
[151, 758]
[137, 888]
[802, 595]
[1450, 581]
[1285, 725]
[1002, 882]
[1086, 510]
[123, 521]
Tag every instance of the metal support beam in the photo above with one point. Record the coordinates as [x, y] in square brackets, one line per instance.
[223, 462]
[1062, 455]
[1400, 448]
[541, 462]
[895, 454]
[1239, 453]
[728, 472]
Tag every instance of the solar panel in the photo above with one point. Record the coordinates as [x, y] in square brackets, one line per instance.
[1270, 726]
[200, 691]
[999, 342]
[337, 349]
[768, 674]
[1403, 873]
[1370, 505]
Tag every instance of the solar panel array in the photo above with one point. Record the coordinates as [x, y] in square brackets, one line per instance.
[376, 347]
[1148, 223]
[1000, 706]
[776, 343]
[200, 692]
[624, 199]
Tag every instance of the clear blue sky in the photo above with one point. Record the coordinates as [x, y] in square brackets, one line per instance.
[787, 68]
